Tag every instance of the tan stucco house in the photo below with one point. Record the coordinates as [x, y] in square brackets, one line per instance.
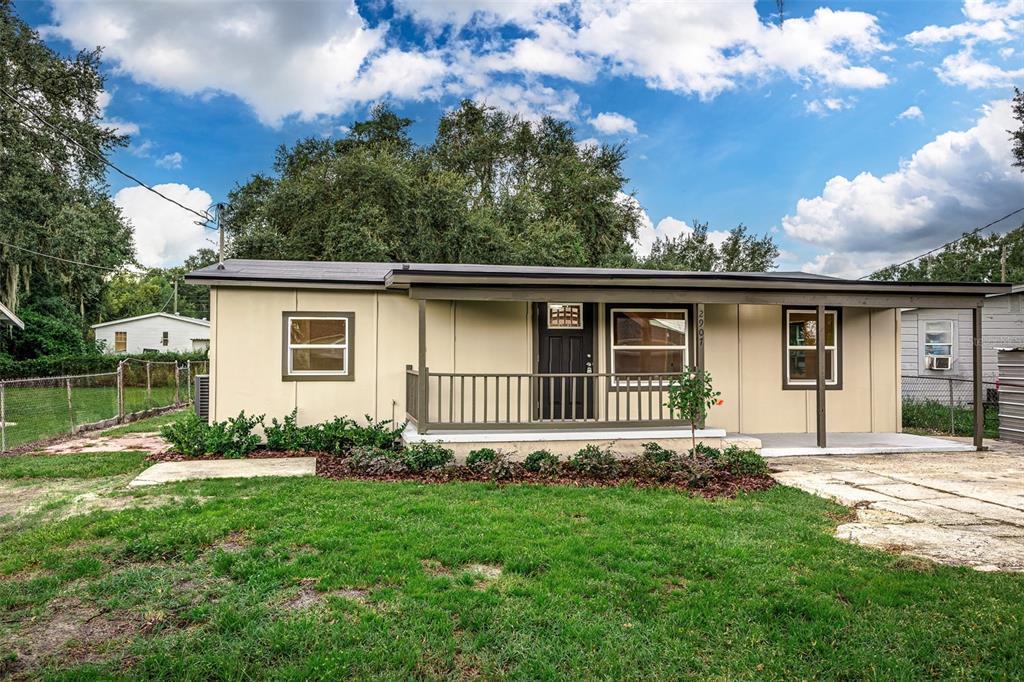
[476, 354]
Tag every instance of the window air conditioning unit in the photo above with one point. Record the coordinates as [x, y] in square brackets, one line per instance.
[939, 362]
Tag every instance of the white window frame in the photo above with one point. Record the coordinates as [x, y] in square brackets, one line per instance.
[121, 350]
[924, 340]
[611, 344]
[548, 313]
[834, 381]
[333, 346]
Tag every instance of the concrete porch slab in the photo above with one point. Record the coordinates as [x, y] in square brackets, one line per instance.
[802, 444]
[171, 472]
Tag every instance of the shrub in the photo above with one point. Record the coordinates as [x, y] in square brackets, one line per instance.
[373, 461]
[379, 435]
[186, 435]
[541, 462]
[595, 462]
[284, 435]
[653, 452]
[741, 462]
[691, 395]
[499, 467]
[233, 438]
[420, 457]
[478, 458]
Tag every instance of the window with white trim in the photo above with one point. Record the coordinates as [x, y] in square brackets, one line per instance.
[318, 346]
[802, 351]
[938, 338]
[120, 342]
[645, 341]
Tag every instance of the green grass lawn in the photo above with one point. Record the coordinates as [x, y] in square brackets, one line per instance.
[36, 413]
[145, 425]
[317, 579]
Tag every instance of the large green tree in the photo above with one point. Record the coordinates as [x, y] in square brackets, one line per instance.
[1017, 135]
[972, 258]
[53, 196]
[129, 294]
[491, 188]
[694, 251]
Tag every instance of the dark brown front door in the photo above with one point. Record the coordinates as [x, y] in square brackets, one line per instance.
[565, 345]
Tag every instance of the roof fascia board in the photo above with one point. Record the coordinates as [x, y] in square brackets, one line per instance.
[179, 318]
[680, 295]
[281, 283]
[9, 314]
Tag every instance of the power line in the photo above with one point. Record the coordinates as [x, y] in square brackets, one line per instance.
[66, 260]
[206, 217]
[949, 243]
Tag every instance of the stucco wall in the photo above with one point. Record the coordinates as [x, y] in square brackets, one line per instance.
[743, 353]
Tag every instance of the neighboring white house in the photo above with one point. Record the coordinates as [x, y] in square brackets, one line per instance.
[154, 332]
[936, 343]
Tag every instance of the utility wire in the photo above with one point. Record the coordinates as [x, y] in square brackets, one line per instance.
[205, 216]
[67, 260]
[949, 243]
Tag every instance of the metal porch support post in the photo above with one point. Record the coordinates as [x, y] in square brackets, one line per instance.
[819, 385]
[700, 352]
[979, 398]
[422, 416]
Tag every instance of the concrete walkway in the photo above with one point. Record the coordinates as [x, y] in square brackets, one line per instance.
[793, 444]
[170, 472]
[960, 508]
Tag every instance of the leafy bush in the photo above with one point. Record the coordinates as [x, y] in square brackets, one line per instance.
[595, 462]
[691, 395]
[741, 462]
[284, 435]
[233, 438]
[478, 458]
[193, 437]
[379, 435]
[186, 435]
[498, 467]
[374, 461]
[420, 457]
[89, 363]
[541, 462]
[653, 452]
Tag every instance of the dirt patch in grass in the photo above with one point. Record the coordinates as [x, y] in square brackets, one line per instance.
[308, 597]
[233, 543]
[71, 631]
[435, 568]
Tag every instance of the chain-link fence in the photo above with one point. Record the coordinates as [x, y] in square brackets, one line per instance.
[36, 409]
[946, 405]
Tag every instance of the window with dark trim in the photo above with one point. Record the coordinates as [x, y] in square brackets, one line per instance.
[164, 338]
[648, 341]
[800, 351]
[317, 346]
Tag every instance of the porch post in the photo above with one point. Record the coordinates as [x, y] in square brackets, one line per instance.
[819, 386]
[422, 418]
[700, 350]
[979, 398]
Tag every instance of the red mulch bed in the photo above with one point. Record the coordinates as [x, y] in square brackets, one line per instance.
[721, 485]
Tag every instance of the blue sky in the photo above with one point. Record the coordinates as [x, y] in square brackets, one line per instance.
[856, 133]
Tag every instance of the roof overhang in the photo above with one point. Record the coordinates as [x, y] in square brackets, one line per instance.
[7, 316]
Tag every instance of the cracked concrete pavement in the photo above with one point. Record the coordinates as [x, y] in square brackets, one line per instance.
[963, 508]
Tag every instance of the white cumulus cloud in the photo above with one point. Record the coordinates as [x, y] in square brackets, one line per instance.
[165, 234]
[954, 183]
[610, 123]
[170, 161]
[825, 106]
[911, 112]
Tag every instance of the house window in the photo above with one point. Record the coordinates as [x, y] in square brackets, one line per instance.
[565, 316]
[645, 341]
[164, 339]
[938, 338]
[120, 342]
[318, 346]
[801, 347]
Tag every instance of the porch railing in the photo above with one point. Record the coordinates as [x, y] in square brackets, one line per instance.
[489, 400]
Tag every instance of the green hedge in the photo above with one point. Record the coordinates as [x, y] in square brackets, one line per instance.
[56, 366]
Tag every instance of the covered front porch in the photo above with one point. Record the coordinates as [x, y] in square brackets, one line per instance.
[594, 402]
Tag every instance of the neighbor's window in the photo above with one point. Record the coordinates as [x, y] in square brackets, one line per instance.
[318, 346]
[938, 338]
[120, 342]
[565, 316]
[648, 342]
[801, 347]
[164, 339]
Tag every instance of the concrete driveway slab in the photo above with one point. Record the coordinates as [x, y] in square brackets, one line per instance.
[960, 508]
[170, 472]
